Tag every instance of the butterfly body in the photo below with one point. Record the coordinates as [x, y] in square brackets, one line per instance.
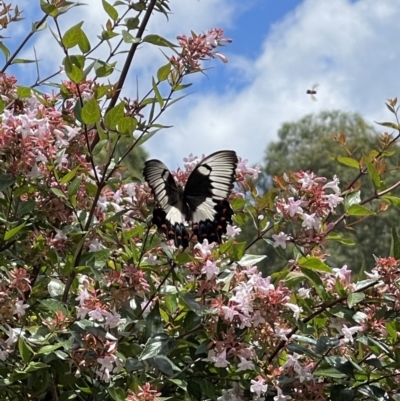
[202, 202]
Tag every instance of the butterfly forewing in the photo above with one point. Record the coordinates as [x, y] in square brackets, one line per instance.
[162, 183]
[211, 180]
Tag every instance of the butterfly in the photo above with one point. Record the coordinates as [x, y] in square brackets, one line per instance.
[202, 202]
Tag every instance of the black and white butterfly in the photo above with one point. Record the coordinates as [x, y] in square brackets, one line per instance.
[202, 202]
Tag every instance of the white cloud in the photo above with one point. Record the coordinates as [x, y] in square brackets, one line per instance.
[349, 47]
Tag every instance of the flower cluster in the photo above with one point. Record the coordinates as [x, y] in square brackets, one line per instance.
[198, 48]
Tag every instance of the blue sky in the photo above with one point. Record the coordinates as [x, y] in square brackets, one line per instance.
[280, 48]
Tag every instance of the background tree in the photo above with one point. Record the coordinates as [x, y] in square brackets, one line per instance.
[318, 142]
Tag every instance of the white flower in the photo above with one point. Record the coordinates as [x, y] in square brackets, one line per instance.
[95, 245]
[295, 309]
[219, 360]
[280, 239]
[280, 397]
[20, 308]
[205, 247]
[349, 331]
[210, 269]
[232, 231]
[258, 386]
[311, 221]
[244, 364]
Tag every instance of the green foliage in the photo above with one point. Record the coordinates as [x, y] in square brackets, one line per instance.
[96, 305]
[337, 143]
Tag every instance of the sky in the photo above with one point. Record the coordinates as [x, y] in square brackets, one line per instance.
[280, 49]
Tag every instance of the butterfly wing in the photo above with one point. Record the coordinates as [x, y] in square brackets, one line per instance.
[210, 184]
[204, 200]
[165, 191]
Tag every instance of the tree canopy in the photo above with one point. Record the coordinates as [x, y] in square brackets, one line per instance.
[320, 143]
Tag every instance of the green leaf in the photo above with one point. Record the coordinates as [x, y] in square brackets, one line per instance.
[395, 244]
[6, 180]
[26, 207]
[103, 69]
[49, 9]
[76, 36]
[132, 23]
[373, 173]
[354, 298]
[348, 161]
[74, 187]
[101, 91]
[33, 366]
[341, 393]
[315, 280]
[237, 250]
[163, 72]
[117, 393]
[5, 50]
[127, 125]
[47, 349]
[332, 236]
[358, 210]
[153, 322]
[249, 260]
[393, 200]
[158, 41]
[163, 364]
[146, 137]
[23, 61]
[73, 70]
[2, 105]
[159, 344]
[25, 351]
[24, 92]
[300, 349]
[38, 26]
[14, 231]
[324, 343]
[91, 112]
[314, 264]
[70, 175]
[84, 44]
[107, 35]
[389, 125]
[341, 364]
[129, 38]
[54, 306]
[157, 93]
[110, 10]
[113, 116]
[191, 302]
[58, 193]
[72, 36]
[78, 111]
[353, 198]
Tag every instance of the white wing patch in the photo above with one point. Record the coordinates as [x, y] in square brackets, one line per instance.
[205, 211]
[174, 215]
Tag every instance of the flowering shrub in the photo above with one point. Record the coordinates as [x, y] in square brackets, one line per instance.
[96, 305]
